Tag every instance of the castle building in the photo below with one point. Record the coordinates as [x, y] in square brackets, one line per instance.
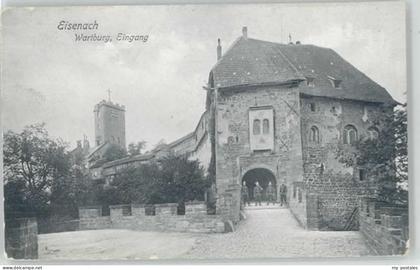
[278, 113]
[109, 123]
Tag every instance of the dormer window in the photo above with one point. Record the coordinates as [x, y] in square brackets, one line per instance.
[336, 83]
[310, 81]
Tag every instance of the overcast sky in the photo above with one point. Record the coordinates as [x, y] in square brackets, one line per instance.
[48, 77]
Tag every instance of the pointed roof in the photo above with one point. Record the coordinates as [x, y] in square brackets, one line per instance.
[252, 62]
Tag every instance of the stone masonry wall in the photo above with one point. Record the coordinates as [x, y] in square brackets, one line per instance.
[304, 206]
[165, 218]
[385, 228]
[21, 237]
[338, 187]
[233, 151]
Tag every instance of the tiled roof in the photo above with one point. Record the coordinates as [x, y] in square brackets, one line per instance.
[250, 61]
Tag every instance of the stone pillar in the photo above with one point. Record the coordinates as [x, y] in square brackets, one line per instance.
[90, 212]
[138, 210]
[21, 237]
[166, 209]
[235, 207]
[312, 212]
[116, 212]
[195, 209]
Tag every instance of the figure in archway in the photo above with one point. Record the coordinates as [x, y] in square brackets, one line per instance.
[283, 194]
[245, 194]
[258, 193]
[271, 193]
[264, 177]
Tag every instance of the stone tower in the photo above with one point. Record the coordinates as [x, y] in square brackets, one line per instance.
[109, 123]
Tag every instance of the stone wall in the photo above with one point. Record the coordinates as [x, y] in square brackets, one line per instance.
[338, 187]
[304, 206]
[234, 155]
[164, 218]
[384, 227]
[21, 237]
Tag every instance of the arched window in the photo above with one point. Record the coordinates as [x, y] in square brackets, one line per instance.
[266, 126]
[350, 134]
[256, 128]
[373, 133]
[314, 134]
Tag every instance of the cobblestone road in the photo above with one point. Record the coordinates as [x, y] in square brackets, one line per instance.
[274, 233]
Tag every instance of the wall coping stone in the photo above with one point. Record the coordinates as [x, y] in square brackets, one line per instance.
[194, 203]
[166, 205]
[138, 205]
[90, 207]
[118, 206]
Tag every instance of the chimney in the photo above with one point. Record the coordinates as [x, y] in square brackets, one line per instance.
[219, 50]
[245, 32]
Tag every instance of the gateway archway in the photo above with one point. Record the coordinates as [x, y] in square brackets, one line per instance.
[263, 177]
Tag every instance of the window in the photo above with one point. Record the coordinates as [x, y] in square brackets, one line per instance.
[362, 175]
[314, 134]
[294, 192]
[335, 82]
[261, 129]
[310, 81]
[313, 107]
[299, 195]
[350, 134]
[256, 128]
[373, 133]
[266, 126]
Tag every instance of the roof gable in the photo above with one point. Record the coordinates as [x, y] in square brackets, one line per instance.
[250, 61]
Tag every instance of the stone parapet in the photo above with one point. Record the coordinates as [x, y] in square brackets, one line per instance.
[195, 220]
[385, 228]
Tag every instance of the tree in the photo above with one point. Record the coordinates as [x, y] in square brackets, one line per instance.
[171, 179]
[114, 152]
[136, 148]
[385, 156]
[32, 162]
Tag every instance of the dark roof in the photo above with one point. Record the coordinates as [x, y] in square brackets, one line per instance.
[96, 149]
[142, 157]
[252, 62]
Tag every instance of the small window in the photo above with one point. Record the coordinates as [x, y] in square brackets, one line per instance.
[350, 134]
[314, 135]
[294, 192]
[299, 195]
[373, 133]
[266, 126]
[256, 128]
[310, 81]
[313, 107]
[362, 175]
[335, 82]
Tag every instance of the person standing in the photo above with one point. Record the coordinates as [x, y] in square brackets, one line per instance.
[283, 194]
[257, 193]
[271, 193]
[245, 194]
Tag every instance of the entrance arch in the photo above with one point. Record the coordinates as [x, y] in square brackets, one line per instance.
[263, 176]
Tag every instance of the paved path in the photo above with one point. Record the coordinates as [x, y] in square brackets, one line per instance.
[113, 245]
[266, 233]
[273, 233]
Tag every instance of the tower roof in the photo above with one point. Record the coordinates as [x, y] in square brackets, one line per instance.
[252, 62]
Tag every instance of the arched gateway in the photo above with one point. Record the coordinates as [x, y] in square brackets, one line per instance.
[263, 177]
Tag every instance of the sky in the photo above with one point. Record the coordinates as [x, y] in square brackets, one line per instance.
[49, 77]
